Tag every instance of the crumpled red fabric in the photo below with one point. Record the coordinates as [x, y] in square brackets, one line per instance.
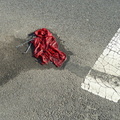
[46, 48]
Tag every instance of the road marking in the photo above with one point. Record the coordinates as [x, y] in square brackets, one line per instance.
[104, 78]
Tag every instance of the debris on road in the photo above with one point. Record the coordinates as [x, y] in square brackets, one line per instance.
[46, 48]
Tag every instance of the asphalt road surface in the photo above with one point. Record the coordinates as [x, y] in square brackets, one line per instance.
[30, 91]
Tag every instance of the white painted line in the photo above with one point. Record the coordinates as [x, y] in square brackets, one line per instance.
[104, 78]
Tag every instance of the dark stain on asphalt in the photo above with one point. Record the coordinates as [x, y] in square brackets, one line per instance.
[13, 61]
[80, 71]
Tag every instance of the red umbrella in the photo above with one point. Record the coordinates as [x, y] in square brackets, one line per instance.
[46, 48]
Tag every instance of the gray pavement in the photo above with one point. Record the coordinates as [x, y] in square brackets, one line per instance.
[29, 91]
